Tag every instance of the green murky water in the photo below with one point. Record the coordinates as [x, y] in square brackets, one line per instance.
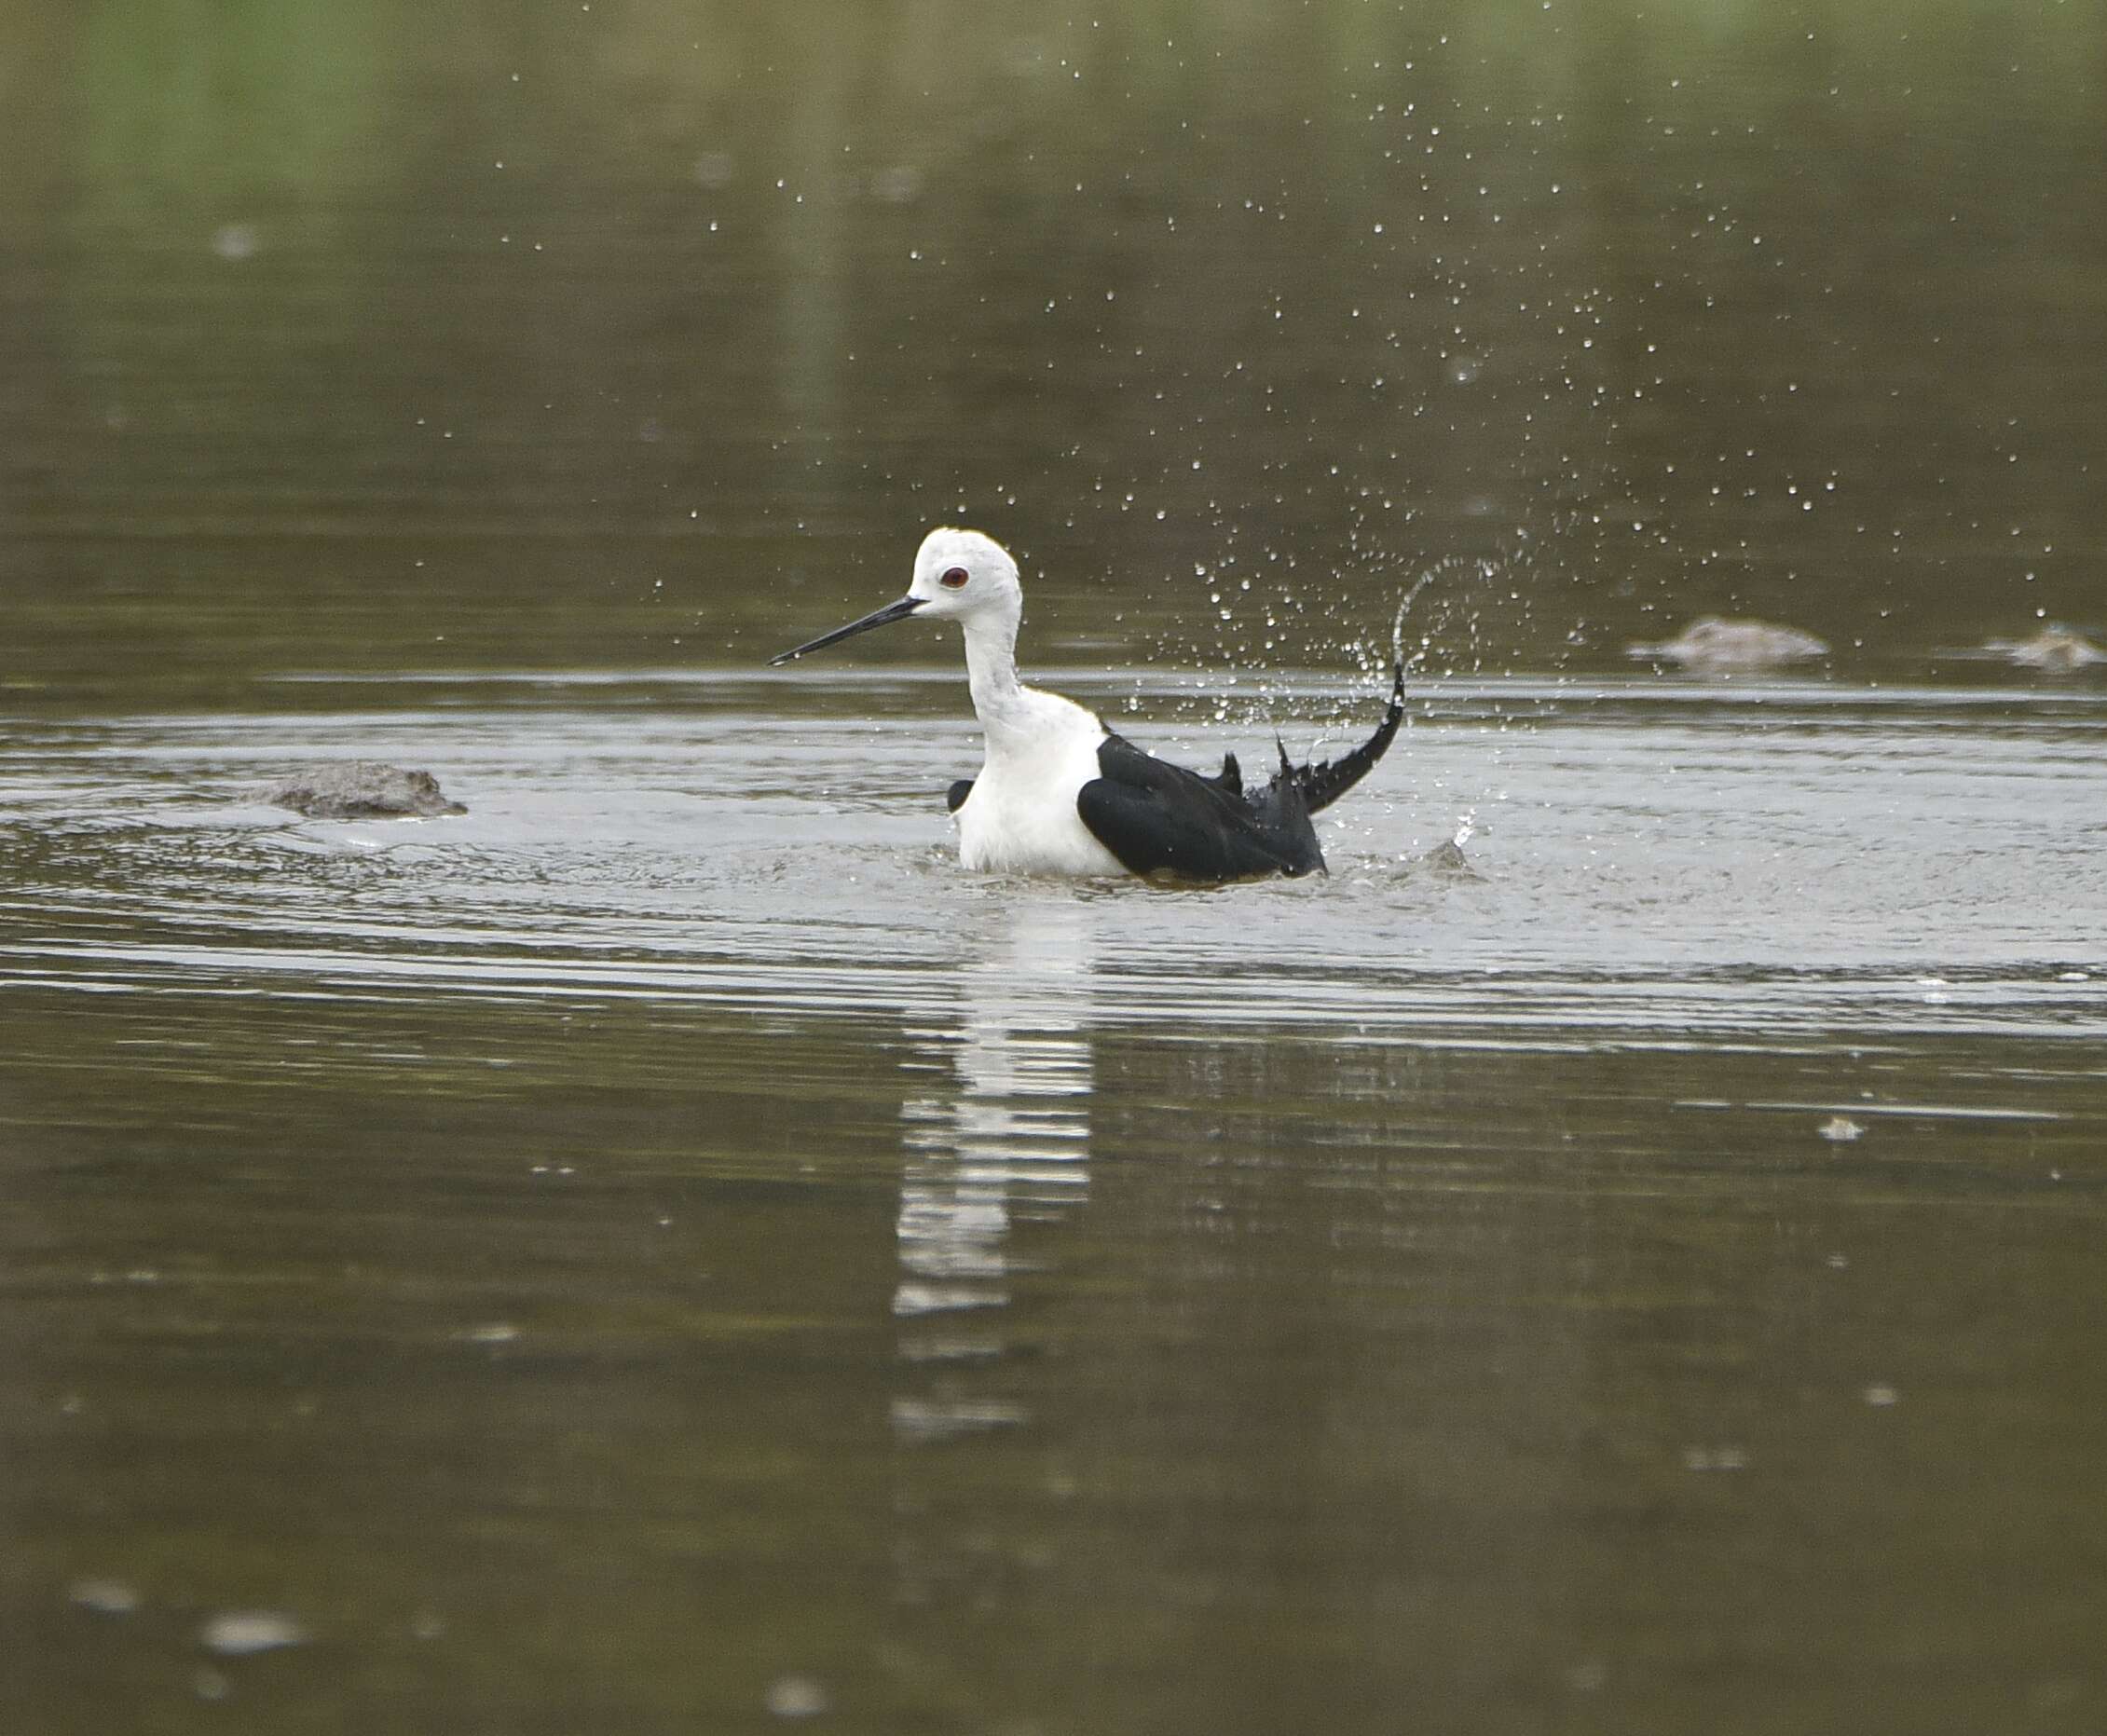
[667, 1250]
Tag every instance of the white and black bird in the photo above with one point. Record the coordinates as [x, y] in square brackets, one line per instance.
[1059, 793]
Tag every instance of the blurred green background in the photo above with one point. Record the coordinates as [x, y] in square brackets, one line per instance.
[641, 333]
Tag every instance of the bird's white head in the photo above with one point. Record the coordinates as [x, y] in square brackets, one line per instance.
[959, 575]
[962, 575]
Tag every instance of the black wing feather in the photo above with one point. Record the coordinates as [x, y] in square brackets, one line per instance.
[1161, 819]
[1323, 783]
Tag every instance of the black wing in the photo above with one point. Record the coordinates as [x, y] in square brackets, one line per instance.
[1158, 818]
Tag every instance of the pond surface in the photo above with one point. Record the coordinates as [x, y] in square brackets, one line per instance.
[668, 1251]
[669, 1234]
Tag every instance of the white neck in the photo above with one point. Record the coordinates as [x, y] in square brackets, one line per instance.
[990, 672]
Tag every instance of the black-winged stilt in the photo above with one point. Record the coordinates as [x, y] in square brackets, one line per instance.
[1060, 793]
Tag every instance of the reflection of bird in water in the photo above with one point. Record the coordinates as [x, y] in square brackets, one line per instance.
[2054, 648]
[1715, 644]
[1005, 1138]
[1060, 793]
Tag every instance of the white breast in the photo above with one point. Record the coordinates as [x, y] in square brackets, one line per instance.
[1020, 817]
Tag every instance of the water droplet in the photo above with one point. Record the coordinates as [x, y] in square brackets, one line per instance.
[796, 1697]
[238, 1632]
[107, 1597]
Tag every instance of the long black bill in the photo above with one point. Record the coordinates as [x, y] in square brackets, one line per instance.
[876, 618]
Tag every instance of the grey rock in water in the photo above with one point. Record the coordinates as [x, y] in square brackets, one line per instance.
[1446, 861]
[2053, 647]
[1714, 643]
[363, 789]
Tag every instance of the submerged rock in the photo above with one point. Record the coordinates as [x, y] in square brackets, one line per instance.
[1714, 643]
[2053, 647]
[363, 789]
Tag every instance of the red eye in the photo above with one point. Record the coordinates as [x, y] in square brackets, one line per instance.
[954, 580]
